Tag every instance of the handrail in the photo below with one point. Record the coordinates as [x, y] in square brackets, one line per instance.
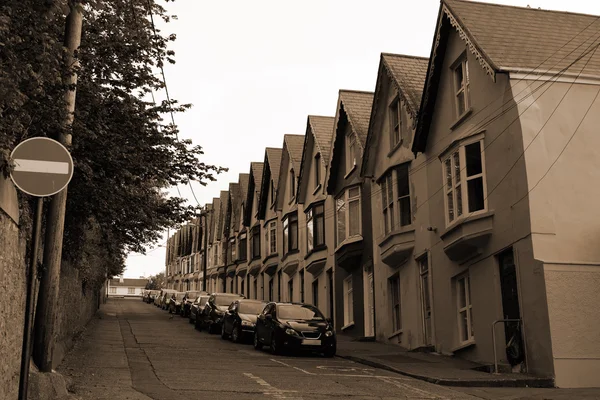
[520, 321]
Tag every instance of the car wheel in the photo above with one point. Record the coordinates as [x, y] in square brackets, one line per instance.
[197, 324]
[224, 335]
[274, 346]
[236, 334]
[330, 352]
[190, 320]
[257, 343]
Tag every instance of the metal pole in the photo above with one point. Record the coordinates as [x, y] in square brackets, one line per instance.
[47, 307]
[30, 300]
[494, 339]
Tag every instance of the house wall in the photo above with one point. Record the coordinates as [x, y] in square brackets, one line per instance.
[271, 214]
[506, 183]
[412, 333]
[565, 220]
[124, 291]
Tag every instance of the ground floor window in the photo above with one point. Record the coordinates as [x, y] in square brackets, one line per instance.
[113, 290]
[315, 293]
[291, 290]
[130, 290]
[464, 306]
[348, 302]
[395, 303]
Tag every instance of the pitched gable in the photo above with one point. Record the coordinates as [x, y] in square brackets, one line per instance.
[214, 218]
[254, 184]
[319, 131]
[222, 214]
[270, 172]
[294, 145]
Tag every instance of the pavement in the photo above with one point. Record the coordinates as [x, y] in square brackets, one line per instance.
[134, 351]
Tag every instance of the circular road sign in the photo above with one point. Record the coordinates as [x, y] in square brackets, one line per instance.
[43, 166]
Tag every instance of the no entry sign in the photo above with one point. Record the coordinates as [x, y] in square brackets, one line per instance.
[43, 166]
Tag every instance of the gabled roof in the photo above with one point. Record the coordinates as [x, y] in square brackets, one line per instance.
[232, 207]
[510, 39]
[270, 171]
[222, 214]
[294, 145]
[355, 107]
[243, 181]
[321, 130]
[256, 168]
[256, 173]
[214, 218]
[128, 282]
[407, 75]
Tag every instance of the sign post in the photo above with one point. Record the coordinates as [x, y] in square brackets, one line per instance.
[42, 167]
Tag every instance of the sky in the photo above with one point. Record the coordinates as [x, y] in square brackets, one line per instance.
[254, 70]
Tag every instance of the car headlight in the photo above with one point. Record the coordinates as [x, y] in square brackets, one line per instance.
[291, 332]
[328, 333]
[247, 324]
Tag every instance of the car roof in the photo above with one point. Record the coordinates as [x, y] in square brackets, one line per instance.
[252, 301]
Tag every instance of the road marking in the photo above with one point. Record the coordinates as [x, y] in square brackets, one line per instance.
[271, 390]
[339, 375]
[41, 167]
[418, 393]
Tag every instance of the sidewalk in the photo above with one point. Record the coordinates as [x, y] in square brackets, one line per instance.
[430, 367]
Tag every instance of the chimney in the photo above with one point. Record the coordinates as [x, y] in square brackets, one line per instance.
[121, 280]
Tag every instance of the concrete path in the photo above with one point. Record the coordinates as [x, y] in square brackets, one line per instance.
[133, 350]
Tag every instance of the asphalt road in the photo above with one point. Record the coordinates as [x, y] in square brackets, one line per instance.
[136, 351]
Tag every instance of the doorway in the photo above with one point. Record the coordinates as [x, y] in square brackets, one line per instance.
[510, 307]
[425, 299]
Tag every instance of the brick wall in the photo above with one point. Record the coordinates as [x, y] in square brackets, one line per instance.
[12, 305]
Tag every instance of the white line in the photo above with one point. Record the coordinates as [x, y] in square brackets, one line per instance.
[341, 375]
[424, 394]
[271, 390]
[42, 167]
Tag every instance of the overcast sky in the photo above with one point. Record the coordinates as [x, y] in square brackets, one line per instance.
[254, 70]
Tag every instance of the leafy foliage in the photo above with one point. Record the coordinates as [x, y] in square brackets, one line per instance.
[157, 282]
[125, 153]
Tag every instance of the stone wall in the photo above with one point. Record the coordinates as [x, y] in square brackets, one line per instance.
[12, 305]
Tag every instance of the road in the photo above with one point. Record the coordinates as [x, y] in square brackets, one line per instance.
[136, 351]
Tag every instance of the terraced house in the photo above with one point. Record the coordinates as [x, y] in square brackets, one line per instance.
[507, 124]
[317, 244]
[353, 270]
[403, 312]
[212, 242]
[230, 232]
[255, 237]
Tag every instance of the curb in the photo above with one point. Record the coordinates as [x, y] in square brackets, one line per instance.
[515, 383]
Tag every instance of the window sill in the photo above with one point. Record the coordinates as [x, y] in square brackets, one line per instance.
[347, 326]
[317, 189]
[461, 119]
[290, 253]
[396, 147]
[315, 250]
[464, 345]
[350, 172]
[270, 256]
[397, 333]
[353, 239]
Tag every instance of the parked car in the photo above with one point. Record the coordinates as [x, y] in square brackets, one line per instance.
[176, 302]
[197, 308]
[165, 298]
[145, 294]
[240, 319]
[214, 310]
[188, 299]
[152, 295]
[294, 326]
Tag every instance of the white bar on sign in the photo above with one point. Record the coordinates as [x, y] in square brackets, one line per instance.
[42, 167]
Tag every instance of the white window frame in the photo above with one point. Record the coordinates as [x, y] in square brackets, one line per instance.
[467, 310]
[395, 122]
[461, 183]
[130, 290]
[351, 151]
[348, 301]
[394, 280]
[345, 197]
[292, 184]
[461, 88]
[317, 170]
[112, 290]
[272, 238]
[387, 202]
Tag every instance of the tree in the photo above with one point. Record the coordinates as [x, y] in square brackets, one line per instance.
[125, 153]
[157, 282]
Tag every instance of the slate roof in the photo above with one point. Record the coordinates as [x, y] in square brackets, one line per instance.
[222, 211]
[322, 130]
[243, 182]
[128, 282]
[409, 73]
[274, 156]
[528, 38]
[232, 214]
[357, 106]
[294, 145]
[214, 218]
[257, 171]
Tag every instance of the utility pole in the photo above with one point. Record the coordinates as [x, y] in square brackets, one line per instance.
[47, 305]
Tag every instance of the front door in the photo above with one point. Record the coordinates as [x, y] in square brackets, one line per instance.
[370, 309]
[510, 307]
[425, 300]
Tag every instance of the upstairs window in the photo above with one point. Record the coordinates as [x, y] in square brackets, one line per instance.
[292, 184]
[403, 188]
[243, 247]
[317, 170]
[255, 242]
[272, 192]
[398, 123]
[461, 86]
[315, 227]
[271, 238]
[348, 214]
[387, 200]
[290, 233]
[464, 181]
[351, 152]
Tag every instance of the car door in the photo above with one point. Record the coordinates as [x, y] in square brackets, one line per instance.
[228, 317]
[268, 323]
[260, 323]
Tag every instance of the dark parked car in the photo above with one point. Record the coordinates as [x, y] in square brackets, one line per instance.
[294, 326]
[215, 309]
[188, 299]
[152, 295]
[197, 307]
[240, 319]
[176, 302]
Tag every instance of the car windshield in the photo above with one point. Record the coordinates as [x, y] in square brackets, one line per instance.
[251, 307]
[179, 296]
[225, 300]
[297, 311]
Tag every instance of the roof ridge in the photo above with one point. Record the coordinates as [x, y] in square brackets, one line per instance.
[355, 91]
[320, 116]
[523, 8]
[405, 56]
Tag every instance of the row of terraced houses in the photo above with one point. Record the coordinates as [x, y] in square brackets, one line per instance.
[454, 204]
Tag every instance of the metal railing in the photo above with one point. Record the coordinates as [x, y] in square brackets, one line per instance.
[519, 321]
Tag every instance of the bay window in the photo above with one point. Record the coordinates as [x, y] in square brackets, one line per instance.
[255, 242]
[464, 187]
[271, 238]
[348, 214]
[290, 233]
[395, 199]
[315, 227]
[243, 246]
